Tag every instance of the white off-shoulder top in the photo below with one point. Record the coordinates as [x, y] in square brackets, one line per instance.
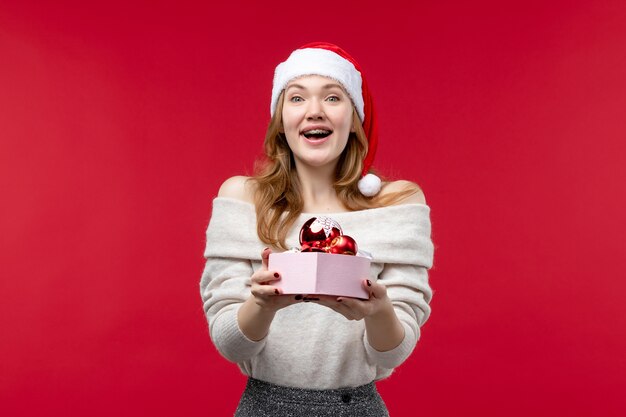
[309, 345]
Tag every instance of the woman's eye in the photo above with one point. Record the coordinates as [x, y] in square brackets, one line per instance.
[333, 98]
[295, 99]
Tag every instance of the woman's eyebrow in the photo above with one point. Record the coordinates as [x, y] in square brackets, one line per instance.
[324, 87]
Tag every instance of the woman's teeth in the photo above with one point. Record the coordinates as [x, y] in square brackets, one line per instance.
[317, 133]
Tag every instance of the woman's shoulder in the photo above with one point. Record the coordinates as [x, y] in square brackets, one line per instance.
[238, 187]
[242, 188]
[407, 191]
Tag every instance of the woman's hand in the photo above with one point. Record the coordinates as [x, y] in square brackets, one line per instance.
[257, 312]
[384, 330]
[357, 309]
[265, 294]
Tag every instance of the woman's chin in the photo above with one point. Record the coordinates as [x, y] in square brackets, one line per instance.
[321, 162]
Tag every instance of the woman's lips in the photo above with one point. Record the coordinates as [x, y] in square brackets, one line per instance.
[315, 142]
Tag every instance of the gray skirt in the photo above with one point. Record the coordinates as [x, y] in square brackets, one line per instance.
[263, 399]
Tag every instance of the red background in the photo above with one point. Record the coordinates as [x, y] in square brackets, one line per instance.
[118, 122]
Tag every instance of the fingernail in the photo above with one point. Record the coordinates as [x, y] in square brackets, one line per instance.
[369, 283]
[276, 291]
[276, 274]
[299, 297]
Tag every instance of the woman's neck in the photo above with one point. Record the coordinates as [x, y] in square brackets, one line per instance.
[318, 193]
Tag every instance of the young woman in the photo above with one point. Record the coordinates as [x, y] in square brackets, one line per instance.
[316, 355]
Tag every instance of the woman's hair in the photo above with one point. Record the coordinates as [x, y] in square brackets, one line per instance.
[277, 195]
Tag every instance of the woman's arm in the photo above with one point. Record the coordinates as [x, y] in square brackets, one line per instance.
[383, 328]
[257, 312]
[410, 295]
[224, 287]
[239, 305]
[256, 302]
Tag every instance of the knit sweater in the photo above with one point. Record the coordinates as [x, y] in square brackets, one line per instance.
[310, 345]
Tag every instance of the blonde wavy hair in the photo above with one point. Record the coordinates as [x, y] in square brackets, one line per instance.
[277, 188]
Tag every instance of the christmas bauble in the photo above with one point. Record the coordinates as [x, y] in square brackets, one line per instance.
[343, 245]
[319, 229]
[311, 248]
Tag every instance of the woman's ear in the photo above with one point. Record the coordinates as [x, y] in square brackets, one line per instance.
[281, 129]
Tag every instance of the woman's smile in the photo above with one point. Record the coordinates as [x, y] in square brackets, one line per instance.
[316, 135]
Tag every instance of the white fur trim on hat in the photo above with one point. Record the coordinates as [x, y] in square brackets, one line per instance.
[370, 185]
[316, 61]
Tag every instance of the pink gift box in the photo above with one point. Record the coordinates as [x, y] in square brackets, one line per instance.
[321, 273]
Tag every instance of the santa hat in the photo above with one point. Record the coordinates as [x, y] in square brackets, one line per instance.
[321, 58]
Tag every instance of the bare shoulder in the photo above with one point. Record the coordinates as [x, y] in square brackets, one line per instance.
[416, 195]
[239, 188]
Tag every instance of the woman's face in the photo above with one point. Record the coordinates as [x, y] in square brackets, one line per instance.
[317, 120]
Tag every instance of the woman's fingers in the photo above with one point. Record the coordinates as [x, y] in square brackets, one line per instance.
[347, 311]
[359, 308]
[265, 277]
[262, 279]
[265, 256]
[347, 307]
[265, 290]
[375, 289]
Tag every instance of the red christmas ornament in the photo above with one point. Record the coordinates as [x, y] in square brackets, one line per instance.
[323, 234]
[319, 229]
[311, 248]
[343, 245]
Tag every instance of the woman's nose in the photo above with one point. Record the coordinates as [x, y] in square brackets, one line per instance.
[315, 110]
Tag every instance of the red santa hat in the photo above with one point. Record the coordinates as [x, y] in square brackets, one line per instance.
[322, 58]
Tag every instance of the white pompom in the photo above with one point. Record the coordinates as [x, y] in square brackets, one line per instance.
[369, 185]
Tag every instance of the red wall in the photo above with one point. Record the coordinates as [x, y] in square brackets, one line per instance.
[118, 122]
